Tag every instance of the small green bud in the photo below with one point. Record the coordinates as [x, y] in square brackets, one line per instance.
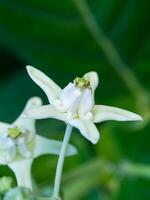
[6, 183]
[14, 132]
[81, 82]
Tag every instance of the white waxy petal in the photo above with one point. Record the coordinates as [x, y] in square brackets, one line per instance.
[47, 146]
[11, 150]
[103, 113]
[86, 104]
[27, 135]
[87, 129]
[44, 112]
[3, 142]
[22, 171]
[93, 78]
[3, 128]
[51, 89]
[33, 102]
[11, 154]
[26, 123]
[23, 148]
[69, 98]
[7, 150]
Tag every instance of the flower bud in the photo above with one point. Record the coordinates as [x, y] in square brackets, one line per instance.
[6, 183]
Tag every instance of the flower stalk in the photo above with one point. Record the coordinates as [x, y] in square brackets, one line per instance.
[61, 159]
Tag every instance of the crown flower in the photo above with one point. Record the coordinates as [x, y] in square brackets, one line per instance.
[20, 144]
[75, 104]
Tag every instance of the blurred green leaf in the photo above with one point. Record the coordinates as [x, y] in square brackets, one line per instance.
[52, 36]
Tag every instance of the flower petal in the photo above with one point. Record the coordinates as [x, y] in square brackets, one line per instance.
[86, 103]
[26, 123]
[69, 98]
[51, 89]
[47, 146]
[3, 128]
[23, 148]
[87, 129]
[93, 78]
[103, 113]
[43, 112]
[22, 171]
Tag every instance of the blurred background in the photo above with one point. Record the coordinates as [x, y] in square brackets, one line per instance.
[66, 39]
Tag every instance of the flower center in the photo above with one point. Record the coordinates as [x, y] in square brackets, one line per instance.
[76, 100]
[81, 82]
[14, 132]
[16, 143]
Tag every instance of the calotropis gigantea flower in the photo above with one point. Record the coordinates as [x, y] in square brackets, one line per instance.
[19, 145]
[75, 104]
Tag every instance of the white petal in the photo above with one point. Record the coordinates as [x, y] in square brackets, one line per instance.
[47, 146]
[3, 143]
[23, 148]
[7, 150]
[70, 97]
[25, 123]
[93, 78]
[11, 154]
[43, 112]
[11, 150]
[51, 89]
[87, 129]
[86, 103]
[22, 171]
[103, 113]
[3, 128]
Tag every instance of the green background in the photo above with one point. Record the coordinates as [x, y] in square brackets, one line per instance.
[55, 37]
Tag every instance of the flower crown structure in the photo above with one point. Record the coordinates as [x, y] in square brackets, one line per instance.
[75, 104]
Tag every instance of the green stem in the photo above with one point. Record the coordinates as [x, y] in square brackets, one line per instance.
[61, 159]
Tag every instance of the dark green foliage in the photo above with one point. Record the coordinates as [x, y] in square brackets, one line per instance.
[52, 36]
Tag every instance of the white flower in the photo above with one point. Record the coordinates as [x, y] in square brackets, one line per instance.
[75, 104]
[19, 145]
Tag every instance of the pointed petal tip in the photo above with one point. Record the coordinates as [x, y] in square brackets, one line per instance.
[29, 67]
[138, 118]
[48, 146]
[133, 117]
[104, 113]
[87, 129]
[31, 70]
[95, 140]
[72, 150]
[51, 89]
